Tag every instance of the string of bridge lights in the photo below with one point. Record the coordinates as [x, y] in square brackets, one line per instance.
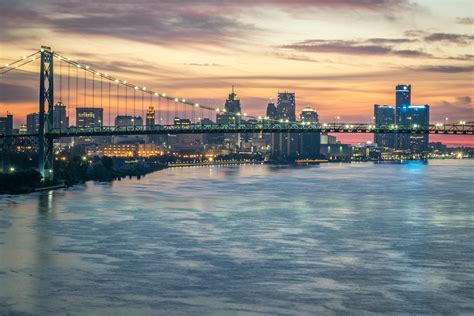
[18, 63]
[164, 95]
[144, 89]
[32, 57]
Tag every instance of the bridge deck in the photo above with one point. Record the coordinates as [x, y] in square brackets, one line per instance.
[293, 127]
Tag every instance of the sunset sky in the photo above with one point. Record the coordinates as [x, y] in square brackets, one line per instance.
[338, 56]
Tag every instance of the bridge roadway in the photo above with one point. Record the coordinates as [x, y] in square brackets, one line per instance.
[258, 127]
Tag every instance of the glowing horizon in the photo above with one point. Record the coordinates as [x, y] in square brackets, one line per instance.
[328, 52]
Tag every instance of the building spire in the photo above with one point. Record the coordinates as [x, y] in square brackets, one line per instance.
[232, 88]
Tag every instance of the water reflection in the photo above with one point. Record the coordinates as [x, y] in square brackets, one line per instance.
[46, 201]
[334, 238]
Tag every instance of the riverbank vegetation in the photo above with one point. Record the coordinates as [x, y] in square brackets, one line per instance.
[69, 170]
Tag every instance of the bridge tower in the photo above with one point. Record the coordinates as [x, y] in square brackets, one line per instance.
[46, 103]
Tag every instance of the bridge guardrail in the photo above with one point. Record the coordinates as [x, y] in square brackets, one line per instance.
[259, 127]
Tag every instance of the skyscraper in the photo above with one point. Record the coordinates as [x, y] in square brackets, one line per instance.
[232, 104]
[272, 111]
[409, 115]
[308, 114]
[285, 145]
[229, 116]
[402, 95]
[402, 98]
[60, 120]
[310, 143]
[89, 117]
[384, 115]
[414, 115]
[6, 124]
[32, 123]
[286, 106]
[231, 109]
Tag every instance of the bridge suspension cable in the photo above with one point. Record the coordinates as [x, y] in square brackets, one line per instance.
[178, 101]
[18, 63]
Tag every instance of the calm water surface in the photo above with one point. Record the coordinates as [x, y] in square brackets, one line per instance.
[360, 238]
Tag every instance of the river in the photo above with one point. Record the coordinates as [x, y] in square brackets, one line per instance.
[255, 239]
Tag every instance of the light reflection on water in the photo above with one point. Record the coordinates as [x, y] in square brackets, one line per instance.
[251, 239]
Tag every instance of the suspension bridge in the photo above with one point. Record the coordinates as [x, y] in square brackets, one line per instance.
[81, 86]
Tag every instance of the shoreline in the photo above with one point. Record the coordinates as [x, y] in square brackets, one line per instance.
[120, 175]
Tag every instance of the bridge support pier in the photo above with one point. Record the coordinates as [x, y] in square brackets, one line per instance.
[46, 106]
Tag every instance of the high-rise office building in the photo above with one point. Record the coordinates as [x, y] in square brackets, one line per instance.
[229, 116]
[308, 114]
[402, 95]
[150, 123]
[407, 114]
[286, 106]
[285, 145]
[150, 116]
[272, 111]
[32, 123]
[87, 117]
[6, 124]
[231, 109]
[232, 104]
[310, 143]
[60, 119]
[384, 115]
[402, 98]
[414, 115]
[271, 114]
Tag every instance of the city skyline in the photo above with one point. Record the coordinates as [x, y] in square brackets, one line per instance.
[341, 72]
[215, 157]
